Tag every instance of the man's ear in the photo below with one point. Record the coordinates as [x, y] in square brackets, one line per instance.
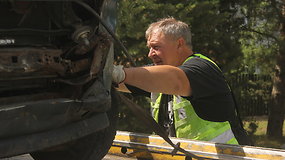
[181, 42]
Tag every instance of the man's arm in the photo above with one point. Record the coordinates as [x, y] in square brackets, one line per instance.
[159, 79]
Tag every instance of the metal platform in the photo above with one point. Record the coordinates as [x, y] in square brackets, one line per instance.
[146, 146]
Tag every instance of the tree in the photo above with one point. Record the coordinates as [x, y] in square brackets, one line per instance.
[264, 20]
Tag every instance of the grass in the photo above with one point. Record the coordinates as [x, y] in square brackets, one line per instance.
[256, 126]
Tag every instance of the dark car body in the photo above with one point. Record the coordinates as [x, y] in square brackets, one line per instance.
[55, 76]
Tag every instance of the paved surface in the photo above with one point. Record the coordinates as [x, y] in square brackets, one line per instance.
[28, 157]
[21, 157]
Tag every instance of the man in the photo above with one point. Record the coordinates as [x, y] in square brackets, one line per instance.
[202, 104]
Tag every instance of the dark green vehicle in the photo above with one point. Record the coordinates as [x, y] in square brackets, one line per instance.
[56, 60]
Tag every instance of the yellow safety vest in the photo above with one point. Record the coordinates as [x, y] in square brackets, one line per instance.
[189, 125]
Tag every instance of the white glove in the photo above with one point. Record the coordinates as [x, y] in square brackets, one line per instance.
[118, 74]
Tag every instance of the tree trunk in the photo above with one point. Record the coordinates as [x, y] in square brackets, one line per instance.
[277, 110]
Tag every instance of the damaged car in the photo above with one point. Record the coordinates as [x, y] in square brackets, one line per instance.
[56, 60]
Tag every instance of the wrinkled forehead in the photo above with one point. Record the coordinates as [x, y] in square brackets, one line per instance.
[158, 34]
[154, 32]
[162, 34]
[155, 38]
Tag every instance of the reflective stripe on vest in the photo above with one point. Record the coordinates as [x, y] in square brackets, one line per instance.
[189, 125]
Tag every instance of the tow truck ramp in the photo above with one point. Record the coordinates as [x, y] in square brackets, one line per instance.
[145, 146]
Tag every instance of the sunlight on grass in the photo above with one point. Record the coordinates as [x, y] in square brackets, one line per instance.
[256, 127]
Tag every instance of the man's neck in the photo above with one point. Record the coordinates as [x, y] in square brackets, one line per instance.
[185, 55]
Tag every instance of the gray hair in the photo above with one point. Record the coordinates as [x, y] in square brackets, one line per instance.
[172, 28]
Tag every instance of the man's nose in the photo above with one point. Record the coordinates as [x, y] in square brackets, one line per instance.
[151, 53]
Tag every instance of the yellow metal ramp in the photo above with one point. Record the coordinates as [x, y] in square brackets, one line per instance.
[144, 146]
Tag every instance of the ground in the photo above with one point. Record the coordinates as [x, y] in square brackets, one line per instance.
[256, 126]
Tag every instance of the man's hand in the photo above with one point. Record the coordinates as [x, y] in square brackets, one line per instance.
[118, 74]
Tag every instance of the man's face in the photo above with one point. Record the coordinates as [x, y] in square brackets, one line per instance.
[162, 50]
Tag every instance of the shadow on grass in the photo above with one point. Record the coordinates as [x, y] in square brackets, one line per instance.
[264, 141]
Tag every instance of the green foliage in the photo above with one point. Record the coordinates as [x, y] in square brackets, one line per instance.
[258, 55]
[259, 36]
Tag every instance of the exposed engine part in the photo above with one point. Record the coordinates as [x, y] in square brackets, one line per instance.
[82, 35]
[108, 30]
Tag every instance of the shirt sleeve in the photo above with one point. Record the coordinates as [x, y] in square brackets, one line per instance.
[205, 78]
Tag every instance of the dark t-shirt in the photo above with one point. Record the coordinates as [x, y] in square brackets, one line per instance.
[211, 96]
